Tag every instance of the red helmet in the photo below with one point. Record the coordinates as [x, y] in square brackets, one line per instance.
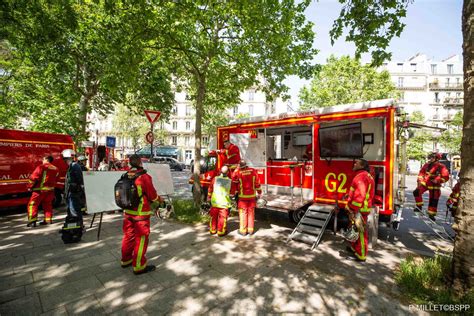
[435, 155]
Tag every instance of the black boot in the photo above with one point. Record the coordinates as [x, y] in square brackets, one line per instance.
[148, 268]
[31, 224]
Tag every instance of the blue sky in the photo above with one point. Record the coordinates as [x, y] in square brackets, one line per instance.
[433, 27]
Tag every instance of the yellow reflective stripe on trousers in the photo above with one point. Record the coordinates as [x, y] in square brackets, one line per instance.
[138, 266]
[30, 211]
[362, 247]
[222, 232]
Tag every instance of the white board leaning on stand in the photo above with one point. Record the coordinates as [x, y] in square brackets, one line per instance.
[99, 186]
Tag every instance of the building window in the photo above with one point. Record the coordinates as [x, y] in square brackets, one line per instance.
[400, 66]
[174, 140]
[236, 110]
[400, 82]
[251, 95]
[458, 81]
[188, 110]
[447, 82]
[450, 69]
[436, 97]
[188, 125]
[433, 69]
[188, 155]
[205, 141]
[413, 67]
[175, 110]
[186, 140]
[175, 125]
[251, 109]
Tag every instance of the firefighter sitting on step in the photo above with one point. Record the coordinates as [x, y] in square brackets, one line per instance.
[232, 154]
[42, 182]
[247, 185]
[430, 178]
[219, 196]
[453, 200]
[359, 201]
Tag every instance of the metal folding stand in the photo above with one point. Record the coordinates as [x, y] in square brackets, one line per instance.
[100, 223]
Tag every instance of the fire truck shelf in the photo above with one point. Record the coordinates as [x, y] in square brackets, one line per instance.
[311, 227]
[284, 202]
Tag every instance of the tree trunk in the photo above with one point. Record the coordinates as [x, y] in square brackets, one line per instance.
[463, 256]
[197, 141]
[83, 109]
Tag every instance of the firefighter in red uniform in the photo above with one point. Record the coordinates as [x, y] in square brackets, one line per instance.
[453, 200]
[360, 197]
[430, 178]
[247, 185]
[136, 223]
[42, 182]
[219, 196]
[232, 154]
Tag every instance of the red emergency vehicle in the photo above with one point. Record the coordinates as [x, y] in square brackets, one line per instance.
[20, 153]
[276, 144]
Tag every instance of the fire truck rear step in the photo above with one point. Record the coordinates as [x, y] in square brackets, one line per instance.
[310, 228]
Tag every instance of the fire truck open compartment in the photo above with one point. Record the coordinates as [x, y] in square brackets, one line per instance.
[275, 145]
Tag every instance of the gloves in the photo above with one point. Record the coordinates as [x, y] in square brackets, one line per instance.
[359, 223]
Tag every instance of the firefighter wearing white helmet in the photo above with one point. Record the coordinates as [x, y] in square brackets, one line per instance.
[74, 185]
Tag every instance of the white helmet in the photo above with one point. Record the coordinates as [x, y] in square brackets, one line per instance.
[68, 153]
[350, 234]
[82, 157]
[261, 202]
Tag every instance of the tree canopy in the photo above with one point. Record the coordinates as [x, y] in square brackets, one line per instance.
[345, 80]
[69, 58]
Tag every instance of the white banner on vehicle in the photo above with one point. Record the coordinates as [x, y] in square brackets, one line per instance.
[99, 186]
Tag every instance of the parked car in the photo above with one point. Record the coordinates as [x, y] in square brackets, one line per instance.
[174, 163]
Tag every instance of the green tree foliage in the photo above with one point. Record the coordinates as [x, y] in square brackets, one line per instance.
[346, 80]
[452, 136]
[71, 58]
[418, 138]
[224, 47]
[371, 25]
[129, 124]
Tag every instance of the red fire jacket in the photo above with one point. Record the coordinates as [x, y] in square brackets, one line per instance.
[147, 194]
[233, 155]
[433, 175]
[246, 183]
[454, 196]
[361, 192]
[44, 178]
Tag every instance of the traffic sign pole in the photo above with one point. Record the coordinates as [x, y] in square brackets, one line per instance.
[151, 144]
[152, 117]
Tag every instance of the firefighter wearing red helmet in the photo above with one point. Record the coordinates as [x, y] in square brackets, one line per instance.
[42, 182]
[430, 178]
[247, 185]
[136, 222]
[219, 196]
[359, 201]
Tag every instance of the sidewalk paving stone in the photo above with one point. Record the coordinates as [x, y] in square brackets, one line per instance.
[196, 273]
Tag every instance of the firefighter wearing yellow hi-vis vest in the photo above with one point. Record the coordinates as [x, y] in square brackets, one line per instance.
[219, 196]
[361, 195]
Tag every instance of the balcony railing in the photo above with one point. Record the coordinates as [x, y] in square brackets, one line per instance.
[446, 86]
[408, 87]
[453, 102]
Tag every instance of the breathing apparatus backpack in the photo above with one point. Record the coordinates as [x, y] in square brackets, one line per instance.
[126, 192]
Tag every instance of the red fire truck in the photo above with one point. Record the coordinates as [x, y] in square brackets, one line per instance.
[20, 153]
[307, 157]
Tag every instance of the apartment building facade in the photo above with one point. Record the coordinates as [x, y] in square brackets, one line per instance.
[434, 88]
[179, 129]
